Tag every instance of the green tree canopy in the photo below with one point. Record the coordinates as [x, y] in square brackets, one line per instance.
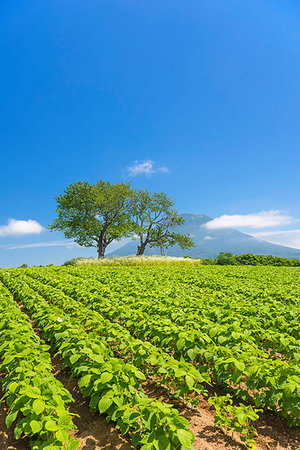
[94, 215]
[154, 217]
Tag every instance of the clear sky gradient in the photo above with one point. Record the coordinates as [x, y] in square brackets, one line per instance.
[198, 99]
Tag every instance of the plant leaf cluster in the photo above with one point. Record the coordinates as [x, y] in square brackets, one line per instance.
[179, 377]
[228, 352]
[36, 399]
[112, 385]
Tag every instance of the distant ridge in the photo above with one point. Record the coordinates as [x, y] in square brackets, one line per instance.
[209, 243]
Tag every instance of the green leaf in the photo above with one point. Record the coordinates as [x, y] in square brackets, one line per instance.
[74, 358]
[62, 435]
[106, 377]
[163, 442]
[140, 375]
[213, 332]
[193, 352]
[242, 417]
[84, 381]
[94, 402]
[18, 431]
[12, 387]
[50, 425]
[38, 406]
[189, 381]
[221, 339]
[98, 358]
[180, 343]
[10, 418]
[180, 372]
[33, 391]
[185, 437]
[35, 426]
[239, 365]
[64, 420]
[104, 404]
[73, 445]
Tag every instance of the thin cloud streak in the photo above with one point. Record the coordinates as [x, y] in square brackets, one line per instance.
[264, 219]
[275, 233]
[70, 244]
[146, 167]
[290, 238]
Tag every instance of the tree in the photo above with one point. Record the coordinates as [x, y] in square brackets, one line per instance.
[94, 215]
[224, 259]
[153, 218]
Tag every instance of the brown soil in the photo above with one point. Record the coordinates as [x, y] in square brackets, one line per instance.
[272, 431]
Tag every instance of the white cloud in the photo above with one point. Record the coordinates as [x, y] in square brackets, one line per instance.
[146, 167]
[68, 244]
[20, 227]
[290, 238]
[262, 219]
[208, 238]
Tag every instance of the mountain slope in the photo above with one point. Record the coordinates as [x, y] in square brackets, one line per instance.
[209, 243]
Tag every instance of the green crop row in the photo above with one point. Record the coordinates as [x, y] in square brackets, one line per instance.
[271, 383]
[254, 311]
[179, 377]
[35, 398]
[183, 310]
[233, 290]
[112, 385]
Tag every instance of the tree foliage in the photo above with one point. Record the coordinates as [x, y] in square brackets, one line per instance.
[94, 215]
[249, 259]
[154, 217]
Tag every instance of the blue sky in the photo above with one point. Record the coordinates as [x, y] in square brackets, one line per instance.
[200, 98]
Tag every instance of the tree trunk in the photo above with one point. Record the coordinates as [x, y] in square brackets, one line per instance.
[162, 253]
[101, 249]
[141, 249]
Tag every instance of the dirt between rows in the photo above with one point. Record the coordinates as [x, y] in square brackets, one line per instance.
[95, 434]
[272, 431]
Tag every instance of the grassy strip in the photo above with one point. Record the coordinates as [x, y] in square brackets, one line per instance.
[135, 261]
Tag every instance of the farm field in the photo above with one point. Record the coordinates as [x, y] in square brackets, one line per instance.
[162, 357]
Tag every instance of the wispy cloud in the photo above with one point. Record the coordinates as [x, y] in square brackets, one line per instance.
[262, 219]
[68, 244]
[290, 238]
[20, 228]
[146, 167]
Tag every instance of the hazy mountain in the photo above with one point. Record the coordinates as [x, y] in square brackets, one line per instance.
[209, 243]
